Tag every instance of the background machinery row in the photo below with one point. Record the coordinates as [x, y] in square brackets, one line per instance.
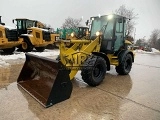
[27, 35]
[30, 34]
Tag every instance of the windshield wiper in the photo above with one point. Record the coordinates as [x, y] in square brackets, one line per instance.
[104, 27]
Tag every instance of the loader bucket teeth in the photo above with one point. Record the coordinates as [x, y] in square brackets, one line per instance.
[45, 79]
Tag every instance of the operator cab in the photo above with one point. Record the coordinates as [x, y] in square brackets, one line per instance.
[111, 29]
[82, 31]
[23, 24]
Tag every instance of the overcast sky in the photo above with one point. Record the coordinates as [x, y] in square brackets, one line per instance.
[54, 12]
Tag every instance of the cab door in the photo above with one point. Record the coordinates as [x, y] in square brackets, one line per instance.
[108, 39]
[119, 34]
[21, 27]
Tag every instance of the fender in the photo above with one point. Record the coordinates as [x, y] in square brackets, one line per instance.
[29, 37]
[103, 55]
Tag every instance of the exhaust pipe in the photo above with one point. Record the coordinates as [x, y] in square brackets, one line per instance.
[1, 21]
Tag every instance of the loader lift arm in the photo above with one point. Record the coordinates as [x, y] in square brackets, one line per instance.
[74, 57]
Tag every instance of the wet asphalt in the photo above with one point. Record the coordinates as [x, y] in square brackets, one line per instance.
[131, 97]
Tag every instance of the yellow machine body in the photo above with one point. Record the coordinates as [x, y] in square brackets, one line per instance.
[36, 37]
[8, 38]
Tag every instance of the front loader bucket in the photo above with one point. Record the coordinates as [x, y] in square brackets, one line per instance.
[45, 79]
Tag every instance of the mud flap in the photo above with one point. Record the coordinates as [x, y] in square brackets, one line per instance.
[45, 79]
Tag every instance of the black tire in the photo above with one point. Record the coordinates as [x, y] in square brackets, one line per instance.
[26, 46]
[40, 49]
[125, 66]
[9, 50]
[94, 70]
[19, 48]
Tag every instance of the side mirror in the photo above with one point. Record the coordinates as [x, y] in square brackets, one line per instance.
[13, 21]
[87, 22]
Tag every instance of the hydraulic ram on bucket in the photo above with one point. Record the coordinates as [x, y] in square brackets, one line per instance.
[45, 79]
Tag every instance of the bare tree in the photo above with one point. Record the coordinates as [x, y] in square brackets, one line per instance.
[154, 38]
[71, 23]
[158, 44]
[138, 42]
[128, 13]
[48, 27]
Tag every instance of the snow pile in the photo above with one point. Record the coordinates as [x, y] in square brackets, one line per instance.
[21, 55]
[4, 59]
[46, 53]
[140, 51]
[15, 56]
[4, 64]
[155, 50]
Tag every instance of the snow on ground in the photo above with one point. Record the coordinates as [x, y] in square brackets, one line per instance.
[16, 55]
[3, 63]
[20, 55]
[154, 51]
[48, 53]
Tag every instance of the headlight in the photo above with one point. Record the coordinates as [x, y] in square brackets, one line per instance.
[57, 38]
[72, 34]
[110, 17]
[97, 33]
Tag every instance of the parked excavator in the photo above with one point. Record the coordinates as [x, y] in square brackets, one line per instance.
[34, 35]
[49, 81]
[8, 38]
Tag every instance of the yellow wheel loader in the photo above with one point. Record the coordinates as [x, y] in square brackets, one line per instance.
[8, 38]
[49, 81]
[34, 35]
[72, 34]
[81, 33]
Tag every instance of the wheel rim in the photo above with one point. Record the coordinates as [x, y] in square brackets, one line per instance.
[24, 45]
[97, 71]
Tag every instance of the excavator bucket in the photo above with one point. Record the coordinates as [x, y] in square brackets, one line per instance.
[45, 79]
